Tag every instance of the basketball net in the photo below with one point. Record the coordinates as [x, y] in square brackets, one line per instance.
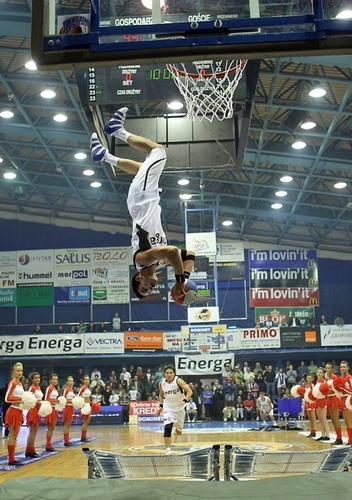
[208, 90]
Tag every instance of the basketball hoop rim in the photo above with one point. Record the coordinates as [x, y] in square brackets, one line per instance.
[240, 66]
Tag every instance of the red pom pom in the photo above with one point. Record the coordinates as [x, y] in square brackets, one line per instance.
[95, 407]
[301, 390]
[324, 388]
[341, 384]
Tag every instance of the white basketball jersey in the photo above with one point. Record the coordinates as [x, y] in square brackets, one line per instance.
[264, 405]
[173, 395]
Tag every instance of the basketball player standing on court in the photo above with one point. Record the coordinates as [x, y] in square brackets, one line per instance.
[149, 243]
[174, 394]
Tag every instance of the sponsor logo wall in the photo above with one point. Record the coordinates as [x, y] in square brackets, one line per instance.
[332, 335]
[35, 278]
[283, 278]
[7, 279]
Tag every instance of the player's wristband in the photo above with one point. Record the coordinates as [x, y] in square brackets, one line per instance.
[180, 278]
[161, 405]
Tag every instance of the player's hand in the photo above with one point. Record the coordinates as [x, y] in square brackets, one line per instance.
[159, 411]
[177, 290]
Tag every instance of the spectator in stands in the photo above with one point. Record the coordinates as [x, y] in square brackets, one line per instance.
[126, 376]
[113, 398]
[116, 323]
[124, 401]
[291, 377]
[228, 372]
[96, 396]
[137, 384]
[91, 327]
[97, 382]
[338, 321]
[81, 327]
[139, 373]
[207, 397]
[107, 391]
[229, 410]
[159, 374]
[37, 329]
[258, 323]
[247, 374]
[259, 380]
[73, 329]
[218, 398]
[293, 321]
[150, 385]
[252, 388]
[239, 377]
[312, 368]
[323, 320]
[95, 372]
[239, 408]
[230, 388]
[280, 380]
[191, 411]
[310, 321]
[133, 393]
[269, 379]
[132, 370]
[61, 329]
[302, 370]
[269, 322]
[102, 327]
[249, 409]
[257, 368]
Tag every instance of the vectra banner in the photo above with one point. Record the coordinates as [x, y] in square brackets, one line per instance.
[205, 364]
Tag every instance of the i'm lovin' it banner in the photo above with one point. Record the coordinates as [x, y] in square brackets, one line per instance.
[283, 278]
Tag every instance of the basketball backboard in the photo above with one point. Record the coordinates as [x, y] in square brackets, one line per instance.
[110, 32]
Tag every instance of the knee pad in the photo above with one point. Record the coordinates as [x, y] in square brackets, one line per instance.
[168, 430]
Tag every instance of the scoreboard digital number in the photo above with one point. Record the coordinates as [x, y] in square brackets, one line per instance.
[139, 83]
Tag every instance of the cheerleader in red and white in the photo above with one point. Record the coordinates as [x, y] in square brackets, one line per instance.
[343, 385]
[33, 418]
[320, 391]
[310, 406]
[14, 416]
[68, 410]
[51, 395]
[334, 403]
[85, 393]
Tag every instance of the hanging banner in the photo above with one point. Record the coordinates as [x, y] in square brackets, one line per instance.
[281, 315]
[299, 337]
[35, 278]
[254, 338]
[110, 275]
[103, 343]
[72, 295]
[72, 267]
[332, 335]
[205, 364]
[143, 341]
[203, 314]
[283, 259]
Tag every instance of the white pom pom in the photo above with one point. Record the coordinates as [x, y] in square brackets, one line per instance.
[330, 382]
[86, 409]
[339, 394]
[62, 401]
[28, 400]
[294, 392]
[45, 409]
[306, 396]
[348, 403]
[59, 407]
[316, 392]
[77, 402]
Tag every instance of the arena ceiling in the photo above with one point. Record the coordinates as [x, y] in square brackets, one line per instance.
[51, 188]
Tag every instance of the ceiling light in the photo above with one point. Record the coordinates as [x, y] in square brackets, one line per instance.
[80, 156]
[60, 118]
[276, 206]
[227, 223]
[10, 175]
[344, 14]
[95, 184]
[317, 92]
[88, 172]
[286, 178]
[6, 114]
[149, 3]
[48, 93]
[31, 65]
[308, 125]
[185, 196]
[175, 105]
[183, 182]
[340, 185]
[281, 194]
[298, 145]
[1, 160]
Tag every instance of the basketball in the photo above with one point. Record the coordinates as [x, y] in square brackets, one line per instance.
[190, 294]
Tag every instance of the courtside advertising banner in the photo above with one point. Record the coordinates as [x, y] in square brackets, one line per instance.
[42, 345]
[35, 278]
[7, 279]
[103, 343]
[254, 338]
[110, 275]
[299, 337]
[202, 364]
[144, 411]
[332, 335]
[143, 341]
[173, 341]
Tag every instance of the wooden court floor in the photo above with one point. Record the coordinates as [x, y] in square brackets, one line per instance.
[148, 439]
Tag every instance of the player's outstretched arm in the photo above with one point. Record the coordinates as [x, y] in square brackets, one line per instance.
[186, 389]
